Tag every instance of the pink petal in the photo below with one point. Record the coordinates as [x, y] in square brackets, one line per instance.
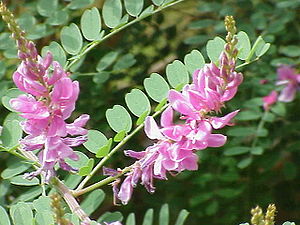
[152, 130]
[220, 122]
[216, 140]
[167, 117]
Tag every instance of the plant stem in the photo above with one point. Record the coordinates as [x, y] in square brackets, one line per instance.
[70, 200]
[116, 148]
[100, 183]
[93, 44]
[259, 127]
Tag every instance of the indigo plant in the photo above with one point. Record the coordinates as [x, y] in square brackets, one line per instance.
[52, 147]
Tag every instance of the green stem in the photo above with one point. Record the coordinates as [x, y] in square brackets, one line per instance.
[246, 63]
[259, 127]
[100, 183]
[114, 150]
[93, 44]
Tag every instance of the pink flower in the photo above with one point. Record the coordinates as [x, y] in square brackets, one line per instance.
[287, 76]
[50, 100]
[270, 100]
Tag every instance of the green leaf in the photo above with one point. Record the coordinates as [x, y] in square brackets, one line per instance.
[158, 2]
[130, 219]
[4, 217]
[71, 39]
[194, 61]
[164, 215]
[59, 17]
[148, 218]
[148, 11]
[243, 45]
[82, 161]
[92, 201]
[91, 24]
[110, 217]
[14, 168]
[95, 141]
[42, 204]
[124, 62]
[245, 162]
[22, 214]
[101, 77]
[78, 4]
[214, 48]
[30, 194]
[290, 50]
[120, 136]
[72, 218]
[72, 180]
[11, 133]
[177, 73]
[119, 119]
[257, 151]
[228, 192]
[156, 87]
[44, 218]
[182, 217]
[103, 151]
[46, 7]
[248, 115]
[241, 131]
[137, 102]
[106, 60]
[57, 51]
[236, 150]
[142, 118]
[19, 180]
[212, 208]
[261, 47]
[27, 22]
[112, 13]
[85, 170]
[288, 223]
[10, 94]
[134, 7]
[279, 109]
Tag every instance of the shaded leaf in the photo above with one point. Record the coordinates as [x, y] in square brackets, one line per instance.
[106, 60]
[134, 7]
[243, 45]
[57, 51]
[44, 218]
[91, 24]
[95, 141]
[130, 219]
[19, 180]
[137, 102]
[46, 7]
[194, 61]
[236, 150]
[112, 13]
[4, 217]
[148, 218]
[71, 39]
[156, 87]
[164, 215]
[119, 119]
[182, 217]
[214, 48]
[92, 201]
[177, 73]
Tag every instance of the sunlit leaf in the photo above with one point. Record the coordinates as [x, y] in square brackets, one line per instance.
[71, 39]
[177, 73]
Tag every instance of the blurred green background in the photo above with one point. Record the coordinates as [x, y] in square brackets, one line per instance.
[224, 189]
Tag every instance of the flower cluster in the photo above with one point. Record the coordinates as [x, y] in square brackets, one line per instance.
[49, 99]
[176, 146]
[287, 77]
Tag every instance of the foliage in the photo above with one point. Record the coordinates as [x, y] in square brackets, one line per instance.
[256, 166]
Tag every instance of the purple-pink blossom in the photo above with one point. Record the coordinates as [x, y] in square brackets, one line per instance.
[49, 99]
[288, 77]
[270, 100]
